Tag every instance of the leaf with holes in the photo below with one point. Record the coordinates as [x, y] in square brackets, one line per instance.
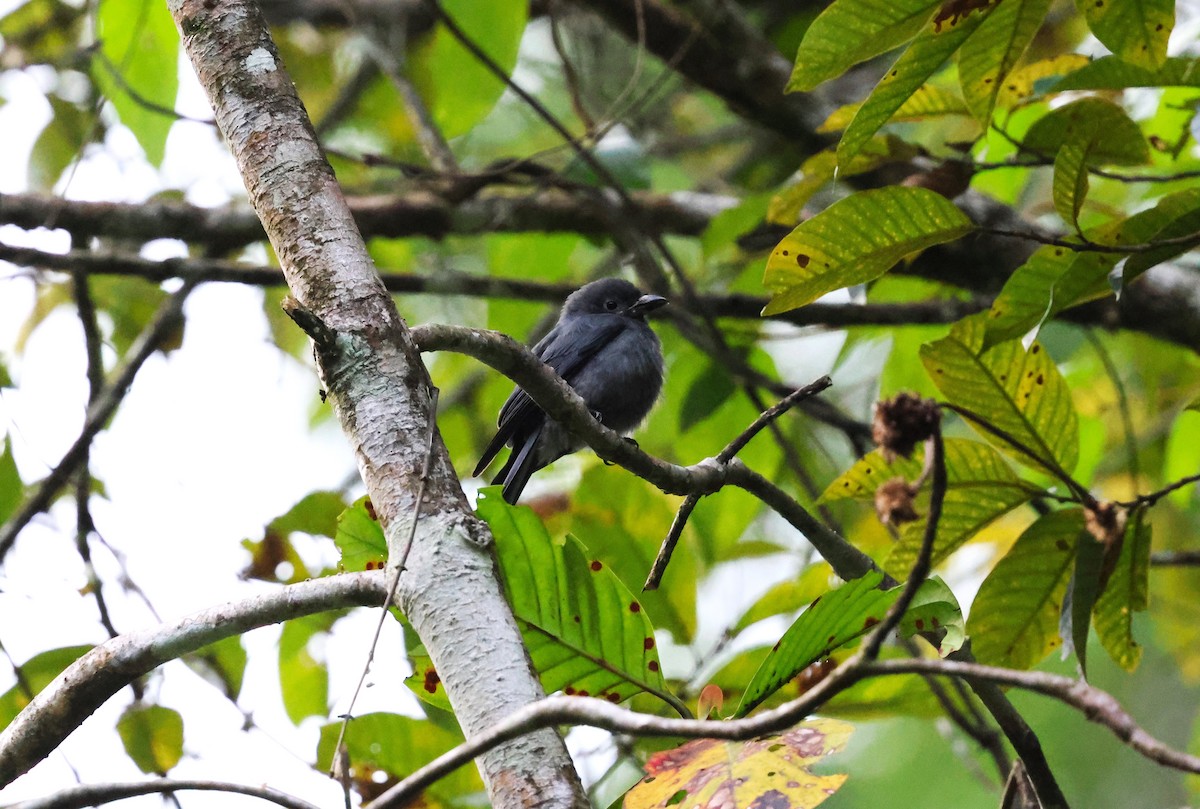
[944, 35]
[855, 240]
[772, 771]
[1016, 390]
[1127, 592]
[840, 616]
[585, 631]
[1014, 618]
[994, 49]
[1135, 30]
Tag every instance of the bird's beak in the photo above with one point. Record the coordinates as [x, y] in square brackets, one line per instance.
[646, 303]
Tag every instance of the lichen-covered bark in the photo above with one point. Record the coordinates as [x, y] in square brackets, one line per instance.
[381, 393]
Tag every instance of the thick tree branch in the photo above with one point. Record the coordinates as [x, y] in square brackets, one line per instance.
[84, 686]
[382, 395]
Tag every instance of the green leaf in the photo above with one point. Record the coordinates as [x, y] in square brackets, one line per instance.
[1017, 390]
[586, 633]
[1113, 73]
[708, 392]
[851, 31]
[1122, 142]
[841, 616]
[820, 169]
[1071, 176]
[1037, 78]
[1014, 619]
[928, 52]
[222, 663]
[857, 239]
[458, 90]
[399, 745]
[360, 538]
[304, 679]
[152, 736]
[139, 44]
[1135, 30]
[1076, 618]
[1055, 278]
[36, 673]
[1128, 591]
[12, 490]
[980, 489]
[42, 31]
[59, 144]
[994, 49]
[928, 101]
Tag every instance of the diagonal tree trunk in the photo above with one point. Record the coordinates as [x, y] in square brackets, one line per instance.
[382, 395]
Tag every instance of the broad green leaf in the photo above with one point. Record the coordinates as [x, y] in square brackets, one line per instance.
[1071, 175]
[222, 663]
[1055, 278]
[60, 143]
[840, 616]
[857, 239]
[303, 679]
[770, 771]
[152, 736]
[928, 101]
[140, 45]
[586, 633]
[11, 489]
[1135, 30]
[1037, 78]
[42, 31]
[1127, 592]
[852, 31]
[399, 745]
[820, 169]
[36, 673]
[707, 393]
[1017, 390]
[983, 489]
[885, 698]
[928, 52]
[980, 488]
[1113, 73]
[1123, 143]
[994, 49]
[457, 88]
[1014, 618]
[360, 538]
[1084, 587]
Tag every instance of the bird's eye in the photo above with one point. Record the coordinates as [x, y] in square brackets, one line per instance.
[610, 305]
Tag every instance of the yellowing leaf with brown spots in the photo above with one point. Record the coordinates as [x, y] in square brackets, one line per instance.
[771, 772]
[856, 240]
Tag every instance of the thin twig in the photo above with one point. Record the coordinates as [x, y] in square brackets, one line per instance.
[724, 456]
[98, 414]
[1175, 558]
[96, 794]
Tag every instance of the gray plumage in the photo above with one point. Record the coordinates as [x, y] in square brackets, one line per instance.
[603, 348]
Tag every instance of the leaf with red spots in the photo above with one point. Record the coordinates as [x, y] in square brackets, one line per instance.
[856, 240]
[360, 538]
[773, 772]
[586, 632]
[842, 615]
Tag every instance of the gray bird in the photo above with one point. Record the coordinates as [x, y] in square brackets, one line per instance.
[603, 348]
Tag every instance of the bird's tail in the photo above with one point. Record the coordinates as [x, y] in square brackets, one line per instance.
[520, 465]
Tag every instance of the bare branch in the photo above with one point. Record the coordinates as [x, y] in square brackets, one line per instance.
[95, 794]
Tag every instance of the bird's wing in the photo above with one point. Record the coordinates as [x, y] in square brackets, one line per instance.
[567, 349]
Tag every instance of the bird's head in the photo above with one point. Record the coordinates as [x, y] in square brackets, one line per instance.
[614, 296]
